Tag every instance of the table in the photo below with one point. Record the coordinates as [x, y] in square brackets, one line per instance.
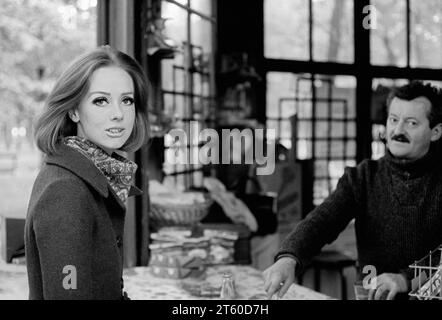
[140, 284]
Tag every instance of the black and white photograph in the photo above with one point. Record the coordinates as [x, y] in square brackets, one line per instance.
[221, 157]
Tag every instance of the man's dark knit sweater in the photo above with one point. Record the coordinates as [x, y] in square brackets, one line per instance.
[397, 207]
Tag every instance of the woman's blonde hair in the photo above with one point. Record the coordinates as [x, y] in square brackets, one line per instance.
[72, 86]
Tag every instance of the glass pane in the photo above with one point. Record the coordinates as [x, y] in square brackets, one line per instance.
[304, 129]
[337, 129]
[286, 129]
[202, 6]
[388, 39]
[338, 148]
[279, 86]
[321, 149]
[176, 24]
[201, 38]
[173, 75]
[321, 129]
[340, 109]
[333, 31]
[283, 129]
[322, 109]
[304, 149]
[174, 105]
[351, 130]
[172, 72]
[286, 29]
[351, 149]
[305, 108]
[287, 107]
[426, 33]
[321, 168]
[343, 97]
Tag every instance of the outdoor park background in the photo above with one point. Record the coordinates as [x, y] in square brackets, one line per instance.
[37, 40]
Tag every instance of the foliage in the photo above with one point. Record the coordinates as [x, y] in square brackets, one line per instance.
[287, 31]
[37, 40]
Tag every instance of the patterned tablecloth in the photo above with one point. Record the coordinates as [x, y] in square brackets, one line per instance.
[140, 284]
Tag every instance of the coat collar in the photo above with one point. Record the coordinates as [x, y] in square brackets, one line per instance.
[78, 164]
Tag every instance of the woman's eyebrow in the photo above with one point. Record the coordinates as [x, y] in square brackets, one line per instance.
[127, 93]
[99, 92]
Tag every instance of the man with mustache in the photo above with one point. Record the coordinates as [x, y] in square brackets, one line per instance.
[395, 201]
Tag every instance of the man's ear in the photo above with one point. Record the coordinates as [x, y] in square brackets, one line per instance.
[436, 132]
[74, 116]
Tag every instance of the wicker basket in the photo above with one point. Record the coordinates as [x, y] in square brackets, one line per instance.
[171, 215]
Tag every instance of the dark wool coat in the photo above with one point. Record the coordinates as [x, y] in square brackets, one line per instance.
[74, 228]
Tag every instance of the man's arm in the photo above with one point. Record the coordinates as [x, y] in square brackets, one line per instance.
[324, 223]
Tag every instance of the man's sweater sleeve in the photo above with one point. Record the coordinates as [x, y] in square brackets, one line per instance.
[324, 223]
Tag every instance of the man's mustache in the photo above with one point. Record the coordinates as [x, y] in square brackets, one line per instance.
[401, 138]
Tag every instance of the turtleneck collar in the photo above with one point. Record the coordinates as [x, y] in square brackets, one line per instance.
[413, 168]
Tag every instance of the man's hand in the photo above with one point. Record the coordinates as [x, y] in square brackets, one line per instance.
[279, 277]
[388, 284]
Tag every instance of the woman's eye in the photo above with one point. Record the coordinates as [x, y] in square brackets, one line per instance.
[128, 101]
[99, 101]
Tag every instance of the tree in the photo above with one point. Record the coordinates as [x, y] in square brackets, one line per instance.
[37, 40]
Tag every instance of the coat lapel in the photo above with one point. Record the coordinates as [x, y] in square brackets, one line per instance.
[78, 164]
[83, 167]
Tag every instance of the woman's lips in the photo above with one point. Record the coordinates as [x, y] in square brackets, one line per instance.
[115, 132]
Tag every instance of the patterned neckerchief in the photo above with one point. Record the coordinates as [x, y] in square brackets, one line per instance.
[118, 170]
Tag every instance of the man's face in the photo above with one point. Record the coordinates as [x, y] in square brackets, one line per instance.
[408, 128]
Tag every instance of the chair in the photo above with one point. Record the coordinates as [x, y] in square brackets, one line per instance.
[331, 260]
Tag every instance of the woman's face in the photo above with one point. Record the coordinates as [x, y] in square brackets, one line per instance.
[106, 115]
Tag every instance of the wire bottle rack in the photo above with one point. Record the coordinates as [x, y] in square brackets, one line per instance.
[428, 276]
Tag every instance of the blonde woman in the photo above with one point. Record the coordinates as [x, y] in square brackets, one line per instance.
[75, 221]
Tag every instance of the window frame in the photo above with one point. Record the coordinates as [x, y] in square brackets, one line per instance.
[361, 69]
